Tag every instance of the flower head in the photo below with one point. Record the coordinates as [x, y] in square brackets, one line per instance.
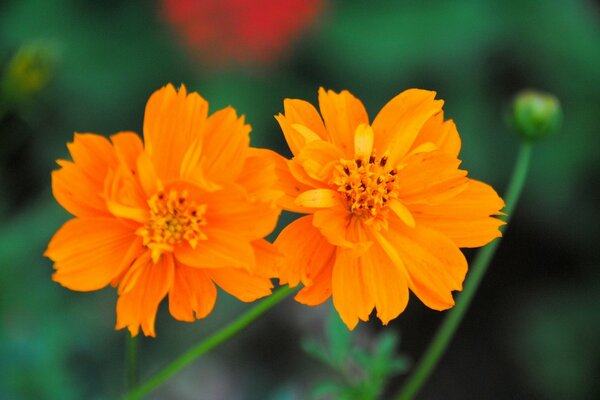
[174, 215]
[388, 208]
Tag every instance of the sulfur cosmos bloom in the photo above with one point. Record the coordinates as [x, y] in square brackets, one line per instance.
[174, 215]
[388, 207]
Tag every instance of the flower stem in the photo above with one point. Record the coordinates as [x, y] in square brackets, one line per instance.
[209, 343]
[454, 317]
[131, 361]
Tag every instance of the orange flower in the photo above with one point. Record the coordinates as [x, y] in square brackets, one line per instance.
[388, 207]
[177, 214]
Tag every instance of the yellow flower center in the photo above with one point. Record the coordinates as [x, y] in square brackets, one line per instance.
[367, 185]
[173, 219]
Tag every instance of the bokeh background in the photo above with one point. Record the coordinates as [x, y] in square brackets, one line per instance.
[68, 66]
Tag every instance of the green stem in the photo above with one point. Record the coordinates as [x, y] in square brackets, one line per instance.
[209, 343]
[131, 361]
[478, 268]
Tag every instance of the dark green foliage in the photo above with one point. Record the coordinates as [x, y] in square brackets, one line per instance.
[362, 371]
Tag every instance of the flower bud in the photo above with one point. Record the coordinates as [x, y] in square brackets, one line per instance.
[27, 73]
[535, 114]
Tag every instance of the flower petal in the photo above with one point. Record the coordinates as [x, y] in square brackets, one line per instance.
[386, 282]
[230, 210]
[268, 259]
[465, 218]
[221, 249]
[172, 121]
[318, 159]
[225, 145]
[289, 184]
[442, 134]
[429, 178]
[303, 113]
[299, 113]
[318, 198]
[128, 146]
[400, 120]
[193, 294]
[259, 176]
[89, 252]
[320, 289]
[402, 212]
[241, 283]
[306, 253]
[93, 154]
[435, 265]
[77, 193]
[137, 306]
[363, 142]
[351, 297]
[78, 186]
[342, 113]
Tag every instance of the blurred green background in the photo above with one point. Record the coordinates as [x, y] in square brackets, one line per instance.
[534, 328]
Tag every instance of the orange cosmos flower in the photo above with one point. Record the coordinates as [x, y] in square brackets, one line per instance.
[388, 207]
[175, 215]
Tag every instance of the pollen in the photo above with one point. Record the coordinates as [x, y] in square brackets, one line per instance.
[366, 185]
[174, 219]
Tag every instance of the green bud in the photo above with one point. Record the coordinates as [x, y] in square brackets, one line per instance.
[28, 72]
[535, 114]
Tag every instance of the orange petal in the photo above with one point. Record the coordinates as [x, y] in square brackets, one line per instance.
[442, 134]
[303, 113]
[363, 141]
[267, 258]
[298, 172]
[287, 183]
[89, 252]
[193, 294]
[137, 306]
[342, 113]
[78, 194]
[318, 198]
[300, 122]
[93, 154]
[386, 282]
[465, 218]
[78, 185]
[318, 159]
[435, 265]
[400, 120]
[240, 283]
[402, 212]
[259, 176]
[221, 249]
[429, 178]
[149, 180]
[128, 146]
[351, 297]
[320, 288]
[172, 121]
[340, 229]
[305, 252]
[230, 210]
[125, 197]
[225, 145]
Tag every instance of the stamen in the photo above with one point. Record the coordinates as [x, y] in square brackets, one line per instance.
[367, 185]
[172, 220]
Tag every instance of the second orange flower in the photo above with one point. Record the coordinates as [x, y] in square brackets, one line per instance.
[388, 207]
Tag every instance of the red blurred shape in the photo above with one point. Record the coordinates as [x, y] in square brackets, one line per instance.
[240, 31]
